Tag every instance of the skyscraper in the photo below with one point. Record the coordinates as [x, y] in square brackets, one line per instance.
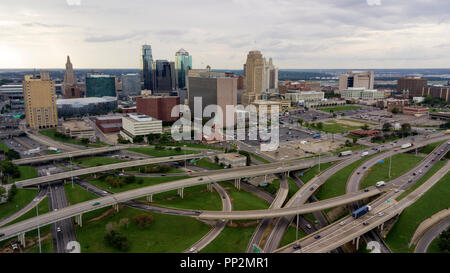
[131, 85]
[164, 76]
[69, 76]
[70, 87]
[254, 77]
[356, 79]
[99, 85]
[40, 101]
[183, 63]
[270, 76]
[147, 67]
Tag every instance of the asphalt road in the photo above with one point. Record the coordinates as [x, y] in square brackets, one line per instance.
[430, 235]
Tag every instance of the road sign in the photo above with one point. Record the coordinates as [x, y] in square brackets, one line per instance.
[389, 201]
[256, 249]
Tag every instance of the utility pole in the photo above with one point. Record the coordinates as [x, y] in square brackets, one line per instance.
[39, 231]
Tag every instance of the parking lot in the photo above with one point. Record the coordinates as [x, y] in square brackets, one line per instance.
[285, 135]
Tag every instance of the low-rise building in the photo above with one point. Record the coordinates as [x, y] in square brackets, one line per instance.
[392, 103]
[139, 125]
[305, 96]
[270, 105]
[324, 103]
[77, 129]
[365, 133]
[415, 111]
[362, 93]
[233, 159]
[109, 124]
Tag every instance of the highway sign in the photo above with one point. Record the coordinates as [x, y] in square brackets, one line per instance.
[256, 249]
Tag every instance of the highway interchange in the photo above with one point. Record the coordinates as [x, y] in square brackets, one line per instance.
[296, 205]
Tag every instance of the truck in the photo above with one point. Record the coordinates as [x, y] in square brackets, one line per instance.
[345, 153]
[364, 154]
[361, 211]
[380, 184]
[406, 145]
[316, 136]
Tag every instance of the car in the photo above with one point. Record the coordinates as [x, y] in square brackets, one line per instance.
[364, 167]
[163, 175]
[96, 204]
[192, 249]
[200, 179]
[312, 188]
[380, 214]
[426, 166]
[414, 174]
[410, 180]
[317, 237]
[297, 246]
[105, 192]
[420, 171]
[342, 223]
[365, 224]
[358, 173]
[58, 229]
[171, 157]
[2, 234]
[55, 209]
[308, 226]
[366, 190]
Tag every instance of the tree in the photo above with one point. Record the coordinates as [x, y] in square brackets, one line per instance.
[395, 110]
[355, 140]
[178, 149]
[387, 127]
[319, 126]
[444, 241]
[138, 139]
[84, 141]
[143, 220]
[116, 240]
[216, 159]
[12, 192]
[12, 154]
[406, 129]
[365, 127]
[300, 121]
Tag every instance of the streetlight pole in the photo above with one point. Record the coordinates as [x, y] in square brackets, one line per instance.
[390, 165]
[71, 170]
[320, 151]
[184, 150]
[296, 231]
[39, 231]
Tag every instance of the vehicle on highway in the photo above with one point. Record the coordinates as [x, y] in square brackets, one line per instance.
[312, 188]
[345, 153]
[58, 229]
[380, 184]
[364, 167]
[361, 211]
[200, 179]
[414, 174]
[2, 234]
[342, 223]
[308, 226]
[364, 154]
[420, 171]
[406, 145]
[366, 190]
[358, 173]
[317, 237]
[396, 190]
[297, 246]
[55, 209]
[95, 203]
[380, 214]
[105, 192]
[192, 249]
[365, 224]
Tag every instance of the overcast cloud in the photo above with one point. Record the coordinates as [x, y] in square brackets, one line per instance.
[295, 33]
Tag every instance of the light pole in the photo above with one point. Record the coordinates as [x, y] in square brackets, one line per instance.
[184, 150]
[296, 231]
[71, 170]
[390, 165]
[320, 151]
[39, 231]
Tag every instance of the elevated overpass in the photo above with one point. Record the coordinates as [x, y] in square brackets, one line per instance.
[85, 152]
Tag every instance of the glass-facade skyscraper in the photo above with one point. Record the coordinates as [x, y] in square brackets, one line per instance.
[183, 63]
[147, 67]
[164, 76]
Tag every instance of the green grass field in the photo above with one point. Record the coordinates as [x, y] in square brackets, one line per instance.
[194, 145]
[94, 161]
[423, 179]
[26, 172]
[333, 127]
[340, 108]
[43, 207]
[289, 236]
[433, 201]
[430, 147]
[260, 159]
[309, 174]
[166, 234]
[243, 200]
[3, 147]
[22, 198]
[434, 247]
[208, 164]
[401, 163]
[230, 240]
[77, 194]
[161, 153]
[273, 187]
[51, 134]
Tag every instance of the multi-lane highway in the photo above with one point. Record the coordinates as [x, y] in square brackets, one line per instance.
[383, 209]
[431, 234]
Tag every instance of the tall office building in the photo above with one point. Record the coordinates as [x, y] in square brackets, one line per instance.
[164, 76]
[40, 101]
[183, 63]
[414, 85]
[69, 76]
[270, 76]
[254, 77]
[99, 85]
[70, 87]
[147, 67]
[214, 89]
[131, 85]
[356, 79]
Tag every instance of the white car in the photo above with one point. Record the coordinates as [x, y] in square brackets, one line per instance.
[380, 214]
[192, 249]
[58, 229]
[342, 223]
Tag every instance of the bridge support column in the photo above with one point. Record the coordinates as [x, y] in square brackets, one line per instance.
[21, 239]
[209, 187]
[381, 227]
[150, 198]
[357, 243]
[237, 183]
[265, 178]
[79, 220]
[181, 192]
[116, 207]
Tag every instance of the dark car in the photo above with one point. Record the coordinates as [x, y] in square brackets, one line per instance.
[358, 173]
[317, 237]
[311, 189]
[366, 190]
[200, 179]
[364, 167]
[2, 234]
[297, 246]
[365, 224]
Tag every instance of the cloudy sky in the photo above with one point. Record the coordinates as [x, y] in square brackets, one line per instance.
[295, 33]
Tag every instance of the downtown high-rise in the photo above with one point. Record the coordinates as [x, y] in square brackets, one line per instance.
[183, 63]
[164, 76]
[147, 67]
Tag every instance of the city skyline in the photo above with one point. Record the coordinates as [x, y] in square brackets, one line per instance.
[311, 35]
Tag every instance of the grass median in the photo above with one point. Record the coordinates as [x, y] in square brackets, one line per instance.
[20, 200]
[161, 152]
